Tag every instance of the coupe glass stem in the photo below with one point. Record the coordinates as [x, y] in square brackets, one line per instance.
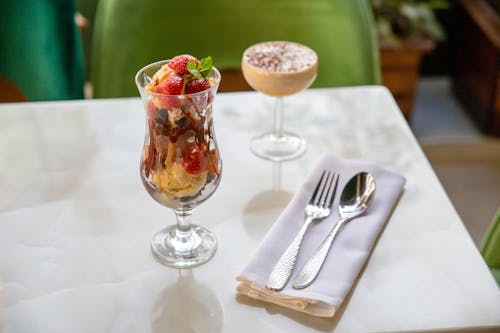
[278, 145]
[278, 117]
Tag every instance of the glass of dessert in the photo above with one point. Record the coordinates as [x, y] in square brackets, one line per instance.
[180, 162]
[279, 68]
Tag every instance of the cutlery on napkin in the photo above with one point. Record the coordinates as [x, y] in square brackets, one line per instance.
[347, 255]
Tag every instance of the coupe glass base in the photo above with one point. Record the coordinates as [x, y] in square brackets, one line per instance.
[179, 249]
[278, 148]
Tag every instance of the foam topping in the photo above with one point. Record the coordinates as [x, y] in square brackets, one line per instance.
[280, 56]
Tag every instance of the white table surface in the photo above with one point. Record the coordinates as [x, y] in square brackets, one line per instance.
[76, 223]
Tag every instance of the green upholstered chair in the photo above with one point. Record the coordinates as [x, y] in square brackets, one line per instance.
[129, 34]
[40, 51]
[490, 249]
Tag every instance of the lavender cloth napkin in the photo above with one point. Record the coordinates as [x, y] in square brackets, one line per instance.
[347, 255]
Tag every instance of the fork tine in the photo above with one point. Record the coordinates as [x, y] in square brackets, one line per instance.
[313, 196]
[320, 197]
[327, 190]
[332, 197]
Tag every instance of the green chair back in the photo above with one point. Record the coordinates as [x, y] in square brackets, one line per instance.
[490, 249]
[41, 54]
[129, 34]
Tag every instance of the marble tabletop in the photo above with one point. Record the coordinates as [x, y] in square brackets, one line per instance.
[76, 223]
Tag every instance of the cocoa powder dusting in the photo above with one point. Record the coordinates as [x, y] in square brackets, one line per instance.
[280, 56]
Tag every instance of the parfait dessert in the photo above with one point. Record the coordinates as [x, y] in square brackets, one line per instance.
[180, 158]
[180, 164]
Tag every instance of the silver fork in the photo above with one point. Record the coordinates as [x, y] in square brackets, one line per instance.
[319, 207]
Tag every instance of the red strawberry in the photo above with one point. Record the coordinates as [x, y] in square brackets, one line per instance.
[172, 85]
[179, 63]
[195, 86]
[195, 162]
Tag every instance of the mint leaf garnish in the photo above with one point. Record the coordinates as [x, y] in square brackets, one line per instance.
[193, 69]
[202, 70]
[205, 66]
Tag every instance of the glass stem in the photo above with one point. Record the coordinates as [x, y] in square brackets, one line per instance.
[183, 231]
[278, 117]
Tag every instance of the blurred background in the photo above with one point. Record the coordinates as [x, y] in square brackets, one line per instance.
[440, 59]
[451, 98]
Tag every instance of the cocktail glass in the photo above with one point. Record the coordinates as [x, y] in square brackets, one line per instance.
[263, 72]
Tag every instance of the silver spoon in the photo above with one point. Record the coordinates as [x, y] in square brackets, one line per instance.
[354, 200]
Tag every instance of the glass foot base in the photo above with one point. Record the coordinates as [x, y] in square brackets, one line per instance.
[278, 148]
[179, 249]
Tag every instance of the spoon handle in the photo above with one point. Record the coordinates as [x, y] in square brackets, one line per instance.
[284, 267]
[313, 265]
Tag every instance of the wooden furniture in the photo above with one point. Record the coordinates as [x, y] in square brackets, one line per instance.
[233, 80]
[77, 223]
[476, 78]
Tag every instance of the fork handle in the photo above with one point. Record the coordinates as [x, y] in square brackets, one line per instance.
[313, 265]
[284, 267]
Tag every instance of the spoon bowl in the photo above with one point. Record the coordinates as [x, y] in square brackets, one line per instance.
[357, 195]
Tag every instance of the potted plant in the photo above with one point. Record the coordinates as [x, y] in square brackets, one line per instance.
[407, 29]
